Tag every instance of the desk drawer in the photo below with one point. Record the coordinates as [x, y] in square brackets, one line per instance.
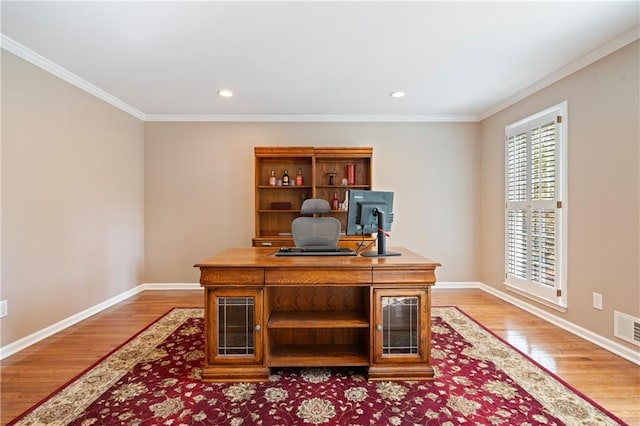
[404, 276]
[294, 276]
[209, 276]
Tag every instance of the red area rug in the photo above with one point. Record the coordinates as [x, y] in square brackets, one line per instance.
[153, 379]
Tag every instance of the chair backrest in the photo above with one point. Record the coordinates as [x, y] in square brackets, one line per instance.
[315, 231]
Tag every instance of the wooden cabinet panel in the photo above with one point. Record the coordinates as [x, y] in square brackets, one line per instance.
[232, 276]
[318, 319]
[234, 342]
[402, 326]
[404, 276]
[333, 276]
[233, 326]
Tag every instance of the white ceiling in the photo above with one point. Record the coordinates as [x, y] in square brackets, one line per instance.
[315, 60]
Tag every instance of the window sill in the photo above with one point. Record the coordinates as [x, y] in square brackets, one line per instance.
[548, 303]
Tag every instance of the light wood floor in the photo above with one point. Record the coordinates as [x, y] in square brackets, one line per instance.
[32, 374]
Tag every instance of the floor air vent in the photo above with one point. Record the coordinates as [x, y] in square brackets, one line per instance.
[626, 327]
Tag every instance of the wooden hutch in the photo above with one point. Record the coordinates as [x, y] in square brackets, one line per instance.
[323, 172]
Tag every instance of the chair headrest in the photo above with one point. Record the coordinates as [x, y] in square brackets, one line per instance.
[315, 205]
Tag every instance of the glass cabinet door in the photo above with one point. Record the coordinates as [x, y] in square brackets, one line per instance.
[235, 326]
[401, 326]
[235, 332]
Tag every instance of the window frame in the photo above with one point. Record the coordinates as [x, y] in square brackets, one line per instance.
[554, 296]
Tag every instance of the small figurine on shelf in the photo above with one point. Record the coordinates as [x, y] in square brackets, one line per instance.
[331, 175]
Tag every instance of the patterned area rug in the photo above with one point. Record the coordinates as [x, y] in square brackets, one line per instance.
[153, 379]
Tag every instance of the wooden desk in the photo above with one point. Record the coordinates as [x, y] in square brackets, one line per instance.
[263, 311]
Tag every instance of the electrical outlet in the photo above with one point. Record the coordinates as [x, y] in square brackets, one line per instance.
[4, 308]
[597, 301]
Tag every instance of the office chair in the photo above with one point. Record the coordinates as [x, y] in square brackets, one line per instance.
[310, 232]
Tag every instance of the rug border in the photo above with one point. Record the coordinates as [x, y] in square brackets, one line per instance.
[501, 339]
[94, 364]
[537, 364]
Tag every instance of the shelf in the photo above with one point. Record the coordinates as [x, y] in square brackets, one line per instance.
[318, 319]
[278, 211]
[286, 187]
[314, 355]
[347, 187]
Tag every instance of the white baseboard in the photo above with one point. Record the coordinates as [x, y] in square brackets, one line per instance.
[31, 339]
[172, 286]
[603, 342]
[457, 284]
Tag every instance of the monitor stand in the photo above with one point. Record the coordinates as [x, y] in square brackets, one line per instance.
[382, 242]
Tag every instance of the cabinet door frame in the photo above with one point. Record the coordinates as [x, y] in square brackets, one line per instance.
[211, 327]
[424, 327]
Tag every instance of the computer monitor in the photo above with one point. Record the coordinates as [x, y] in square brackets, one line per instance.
[370, 212]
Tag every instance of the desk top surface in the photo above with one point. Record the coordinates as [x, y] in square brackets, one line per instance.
[264, 257]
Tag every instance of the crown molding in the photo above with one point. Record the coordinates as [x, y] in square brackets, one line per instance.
[313, 118]
[25, 53]
[588, 59]
[29, 55]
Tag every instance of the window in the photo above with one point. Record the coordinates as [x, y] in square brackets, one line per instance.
[535, 217]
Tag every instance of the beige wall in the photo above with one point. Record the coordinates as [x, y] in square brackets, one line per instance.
[603, 188]
[72, 199]
[90, 194]
[199, 187]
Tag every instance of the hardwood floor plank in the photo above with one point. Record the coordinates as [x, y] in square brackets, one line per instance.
[605, 378]
[32, 374]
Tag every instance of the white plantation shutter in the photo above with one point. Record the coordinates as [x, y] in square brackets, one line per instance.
[517, 243]
[534, 178]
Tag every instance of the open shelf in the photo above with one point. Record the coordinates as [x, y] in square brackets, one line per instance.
[318, 319]
[347, 187]
[309, 355]
[282, 187]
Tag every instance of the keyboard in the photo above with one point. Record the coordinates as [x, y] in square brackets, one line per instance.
[315, 251]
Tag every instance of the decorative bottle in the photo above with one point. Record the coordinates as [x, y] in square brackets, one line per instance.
[299, 177]
[285, 178]
[272, 178]
[351, 174]
[334, 201]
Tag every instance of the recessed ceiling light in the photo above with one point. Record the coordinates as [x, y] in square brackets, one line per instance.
[397, 94]
[225, 93]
